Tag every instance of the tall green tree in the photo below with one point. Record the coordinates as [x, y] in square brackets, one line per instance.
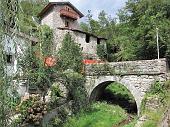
[143, 17]
[70, 55]
[133, 35]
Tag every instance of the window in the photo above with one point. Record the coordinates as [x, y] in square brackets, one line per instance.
[98, 40]
[66, 24]
[33, 43]
[67, 8]
[9, 59]
[87, 38]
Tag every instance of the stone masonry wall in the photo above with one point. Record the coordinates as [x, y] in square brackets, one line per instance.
[60, 21]
[79, 38]
[47, 19]
[136, 76]
[150, 67]
[53, 19]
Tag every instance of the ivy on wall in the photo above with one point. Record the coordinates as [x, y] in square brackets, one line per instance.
[8, 19]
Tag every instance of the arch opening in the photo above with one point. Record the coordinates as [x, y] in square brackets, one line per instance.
[116, 94]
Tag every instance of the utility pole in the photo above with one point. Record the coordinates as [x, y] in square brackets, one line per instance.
[157, 36]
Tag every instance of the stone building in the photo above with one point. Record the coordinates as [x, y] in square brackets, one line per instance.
[63, 18]
[15, 47]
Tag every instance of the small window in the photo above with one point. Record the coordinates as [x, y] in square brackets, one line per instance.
[66, 24]
[33, 43]
[87, 38]
[67, 8]
[98, 41]
[9, 59]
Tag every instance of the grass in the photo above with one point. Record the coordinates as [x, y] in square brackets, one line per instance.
[131, 124]
[120, 91]
[101, 115]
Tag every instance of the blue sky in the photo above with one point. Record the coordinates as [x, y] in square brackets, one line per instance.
[111, 7]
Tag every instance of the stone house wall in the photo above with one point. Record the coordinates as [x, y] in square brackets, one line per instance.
[48, 19]
[53, 19]
[80, 38]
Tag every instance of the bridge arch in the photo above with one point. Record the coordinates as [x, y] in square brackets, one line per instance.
[136, 76]
[102, 93]
[100, 83]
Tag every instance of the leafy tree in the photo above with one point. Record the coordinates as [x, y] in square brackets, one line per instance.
[101, 51]
[69, 55]
[134, 36]
[143, 17]
[33, 64]
[30, 10]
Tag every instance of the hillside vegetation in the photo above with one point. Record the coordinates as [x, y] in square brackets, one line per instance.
[132, 36]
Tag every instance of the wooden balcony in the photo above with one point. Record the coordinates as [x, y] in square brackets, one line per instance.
[69, 14]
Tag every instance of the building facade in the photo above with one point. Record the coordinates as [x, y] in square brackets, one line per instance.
[62, 18]
[15, 47]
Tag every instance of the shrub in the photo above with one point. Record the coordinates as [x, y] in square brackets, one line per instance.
[101, 51]
[55, 94]
[157, 88]
[75, 84]
[70, 56]
[32, 110]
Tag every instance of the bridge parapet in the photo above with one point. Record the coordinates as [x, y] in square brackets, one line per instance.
[141, 67]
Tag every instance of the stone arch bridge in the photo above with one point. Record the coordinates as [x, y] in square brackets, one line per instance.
[136, 76]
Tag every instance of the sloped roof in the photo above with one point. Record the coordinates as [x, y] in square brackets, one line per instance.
[51, 4]
[80, 31]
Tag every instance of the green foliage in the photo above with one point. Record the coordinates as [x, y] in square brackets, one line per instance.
[154, 118]
[101, 115]
[150, 123]
[29, 9]
[39, 76]
[55, 122]
[120, 91]
[157, 88]
[101, 51]
[9, 11]
[167, 85]
[75, 84]
[134, 36]
[69, 55]
[46, 40]
[55, 94]
[161, 92]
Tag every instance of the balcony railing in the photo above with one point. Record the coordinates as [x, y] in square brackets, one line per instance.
[69, 14]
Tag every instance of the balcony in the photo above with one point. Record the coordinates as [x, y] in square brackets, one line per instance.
[69, 14]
